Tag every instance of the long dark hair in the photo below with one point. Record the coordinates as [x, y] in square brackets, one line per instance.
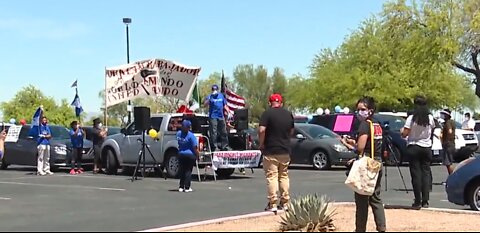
[369, 102]
[421, 114]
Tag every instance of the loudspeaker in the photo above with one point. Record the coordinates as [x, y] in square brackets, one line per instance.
[241, 119]
[141, 117]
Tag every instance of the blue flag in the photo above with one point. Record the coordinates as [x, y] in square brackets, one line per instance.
[34, 131]
[78, 106]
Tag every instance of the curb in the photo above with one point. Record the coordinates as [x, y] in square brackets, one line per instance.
[232, 218]
[262, 214]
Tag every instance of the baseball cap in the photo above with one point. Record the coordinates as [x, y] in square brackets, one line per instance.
[275, 98]
[186, 123]
[215, 87]
[446, 111]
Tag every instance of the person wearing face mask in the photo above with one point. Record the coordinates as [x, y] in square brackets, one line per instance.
[3, 135]
[43, 146]
[448, 139]
[468, 123]
[217, 104]
[99, 134]
[363, 147]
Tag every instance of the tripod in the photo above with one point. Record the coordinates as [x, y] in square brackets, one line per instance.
[389, 149]
[141, 157]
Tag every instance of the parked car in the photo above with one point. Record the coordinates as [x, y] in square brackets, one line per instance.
[395, 124]
[318, 146]
[24, 151]
[463, 185]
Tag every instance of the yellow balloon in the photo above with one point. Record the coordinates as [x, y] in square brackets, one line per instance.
[153, 133]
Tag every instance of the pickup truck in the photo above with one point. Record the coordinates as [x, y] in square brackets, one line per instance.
[122, 150]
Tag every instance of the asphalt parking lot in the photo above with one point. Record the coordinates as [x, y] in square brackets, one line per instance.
[90, 202]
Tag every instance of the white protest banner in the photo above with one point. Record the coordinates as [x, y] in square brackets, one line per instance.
[236, 159]
[13, 133]
[155, 77]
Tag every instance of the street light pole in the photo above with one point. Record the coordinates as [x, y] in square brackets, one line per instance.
[127, 21]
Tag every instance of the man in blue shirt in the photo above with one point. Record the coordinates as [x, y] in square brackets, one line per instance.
[77, 135]
[43, 146]
[188, 154]
[217, 104]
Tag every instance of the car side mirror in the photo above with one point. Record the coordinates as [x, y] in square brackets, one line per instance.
[124, 131]
[300, 137]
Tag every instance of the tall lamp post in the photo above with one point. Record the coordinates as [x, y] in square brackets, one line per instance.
[128, 21]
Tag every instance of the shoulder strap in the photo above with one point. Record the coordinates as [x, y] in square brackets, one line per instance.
[372, 141]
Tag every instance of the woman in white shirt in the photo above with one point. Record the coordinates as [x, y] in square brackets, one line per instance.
[419, 129]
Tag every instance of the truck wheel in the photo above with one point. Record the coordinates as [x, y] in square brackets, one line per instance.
[474, 196]
[172, 163]
[225, 173]
[4, 165]
[112, 165]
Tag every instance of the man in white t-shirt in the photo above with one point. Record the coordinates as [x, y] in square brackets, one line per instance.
[468, 123]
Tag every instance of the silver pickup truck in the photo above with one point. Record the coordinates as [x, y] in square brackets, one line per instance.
[122, 150]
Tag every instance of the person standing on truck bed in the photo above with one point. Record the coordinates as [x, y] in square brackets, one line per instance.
[276, 128]
[217, 104]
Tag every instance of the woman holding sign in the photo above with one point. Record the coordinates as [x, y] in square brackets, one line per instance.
[365, 145]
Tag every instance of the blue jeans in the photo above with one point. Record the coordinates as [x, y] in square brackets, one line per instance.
[218, 128]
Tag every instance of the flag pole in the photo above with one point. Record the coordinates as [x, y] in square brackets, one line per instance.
[105, 114]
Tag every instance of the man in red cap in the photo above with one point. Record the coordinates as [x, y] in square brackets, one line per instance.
[276, 128]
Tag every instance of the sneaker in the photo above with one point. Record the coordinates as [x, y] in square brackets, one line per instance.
[425, 204]
[271, 208]
[416, 205]
[72, 172]
[188, 190]
[283, 207]
[181, 190]
[49, 173]
[41, 174]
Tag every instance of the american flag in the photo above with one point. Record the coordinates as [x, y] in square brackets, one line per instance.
[234, 101]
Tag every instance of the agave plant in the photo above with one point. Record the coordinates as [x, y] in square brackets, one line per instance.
[310, 213]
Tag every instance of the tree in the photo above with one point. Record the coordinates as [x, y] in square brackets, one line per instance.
[117, 114]
[469, 25]
[28, 99]
[254, 85]
[403, 52]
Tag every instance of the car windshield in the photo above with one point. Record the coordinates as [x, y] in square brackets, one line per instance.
[59, 132]
[316, 131]
[113, 130]
[396, 123]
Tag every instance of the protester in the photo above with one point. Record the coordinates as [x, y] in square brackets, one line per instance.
[217, 104]
[363, 146]
[99, 134]
[468, 123]
[77, 135]
[448, 139]
[3, 135]
[43, 146]
[276, 128]
[419, 129]
[188, 155]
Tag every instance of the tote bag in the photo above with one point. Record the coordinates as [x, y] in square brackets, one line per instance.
[363, 176]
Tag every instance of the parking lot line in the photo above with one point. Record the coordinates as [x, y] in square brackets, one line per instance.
[63, 186]
[5, 198]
